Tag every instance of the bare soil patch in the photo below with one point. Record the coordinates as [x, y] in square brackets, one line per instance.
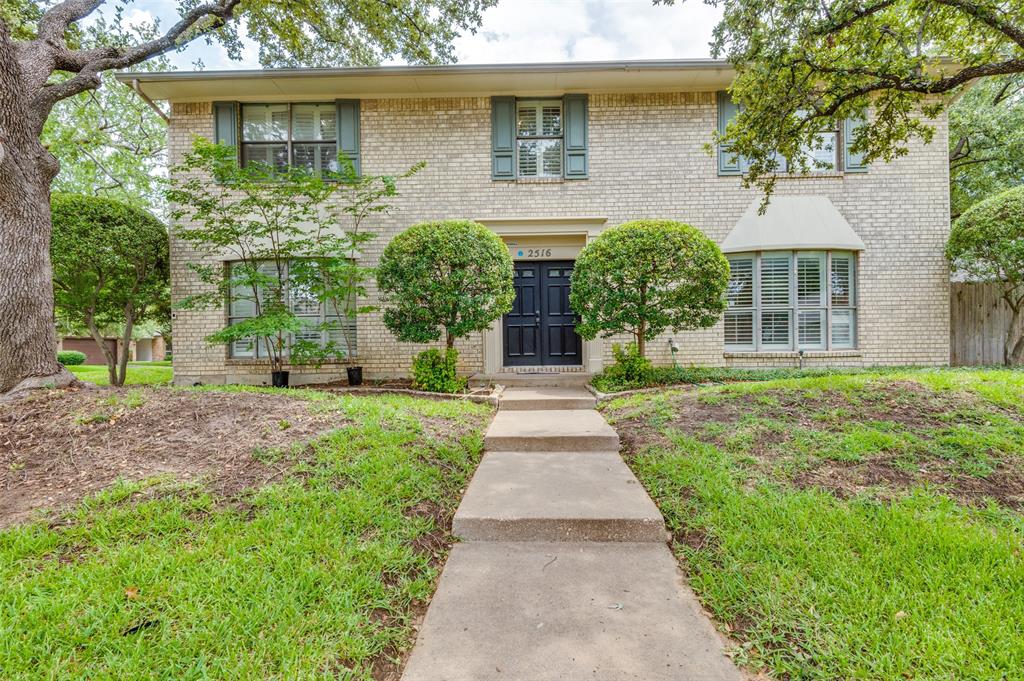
[905, 406]
[59, 446]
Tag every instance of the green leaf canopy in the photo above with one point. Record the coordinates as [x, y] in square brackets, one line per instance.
[647, 276]
[451, 275]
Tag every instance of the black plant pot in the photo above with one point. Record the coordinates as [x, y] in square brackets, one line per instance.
[355, 375]
[279, 379]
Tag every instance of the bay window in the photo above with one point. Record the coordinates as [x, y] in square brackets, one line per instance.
[786, 301]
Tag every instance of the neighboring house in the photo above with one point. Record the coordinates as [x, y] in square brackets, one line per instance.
[142, 349]
[846, 265]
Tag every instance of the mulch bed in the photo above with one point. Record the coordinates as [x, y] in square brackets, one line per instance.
[59, 446]
[912, 406]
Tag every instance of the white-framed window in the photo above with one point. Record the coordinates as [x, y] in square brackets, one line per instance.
[300, 135]
[324, 323]
[539, 137]
[791, 300]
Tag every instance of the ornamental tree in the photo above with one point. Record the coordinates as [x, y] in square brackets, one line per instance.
[987, 244]
[452, 277]
[52, 51]
[110, 269]
[279, 229]
[645, 277]
[801, 65]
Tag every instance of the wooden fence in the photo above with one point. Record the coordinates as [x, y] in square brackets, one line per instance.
[979, 319]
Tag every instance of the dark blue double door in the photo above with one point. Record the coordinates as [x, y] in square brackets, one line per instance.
[541, 328]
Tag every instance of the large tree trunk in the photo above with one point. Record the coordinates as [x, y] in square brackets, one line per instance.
[28, 340]
[1013, 347]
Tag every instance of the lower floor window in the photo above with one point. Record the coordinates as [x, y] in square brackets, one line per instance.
[800, 300]
[324, 322]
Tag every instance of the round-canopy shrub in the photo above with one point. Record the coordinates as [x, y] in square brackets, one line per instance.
[71, 358]
[451, 276]
[986, 243]
[110, 267]
[645, 277]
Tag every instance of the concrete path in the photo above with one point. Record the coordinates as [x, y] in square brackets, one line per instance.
[564, 572]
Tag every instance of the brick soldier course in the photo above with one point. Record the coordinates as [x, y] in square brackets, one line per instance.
[646, 157]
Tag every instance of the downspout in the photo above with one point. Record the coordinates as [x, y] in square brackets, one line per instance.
[144, 97]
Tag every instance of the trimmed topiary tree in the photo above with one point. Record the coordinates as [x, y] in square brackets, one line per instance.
[111, 269]
[645, 277]
[987, 244]
[450, 278]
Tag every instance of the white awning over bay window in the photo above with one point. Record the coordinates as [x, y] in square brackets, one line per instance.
[792, 223]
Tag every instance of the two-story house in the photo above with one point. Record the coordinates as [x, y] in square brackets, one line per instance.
[845, 268]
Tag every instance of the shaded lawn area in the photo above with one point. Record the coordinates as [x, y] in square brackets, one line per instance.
[864, 526]
[315, 568]
[138, 373]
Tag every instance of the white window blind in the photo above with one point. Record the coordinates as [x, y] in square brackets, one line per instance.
[283, 135]
[539, 138]
[323, 323]
[783, 301]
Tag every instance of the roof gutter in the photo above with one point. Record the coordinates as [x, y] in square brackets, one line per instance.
[144, 97]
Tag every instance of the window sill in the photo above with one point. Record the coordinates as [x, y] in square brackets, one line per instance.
[786, 354]
[539, 180]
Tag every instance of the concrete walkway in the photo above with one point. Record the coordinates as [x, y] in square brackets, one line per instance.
[563, 572]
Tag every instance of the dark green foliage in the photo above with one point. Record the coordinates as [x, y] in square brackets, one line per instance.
[436, 372]
[629, 371]
[801, 66]
[987, 244]
[452, 277]
[646, 277]
[110, 267]
[71, 357]
[613, 379]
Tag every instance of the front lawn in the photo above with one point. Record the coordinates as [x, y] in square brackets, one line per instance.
[292, 534]
[138, 373]
[862, 526]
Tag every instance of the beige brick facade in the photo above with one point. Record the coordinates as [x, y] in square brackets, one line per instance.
[647, 160]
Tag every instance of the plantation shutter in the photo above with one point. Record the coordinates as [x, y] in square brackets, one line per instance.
[852, 162]
[503, 138]
[728, 163]
[739, 316]
[348, 131]
[225, 123]
[575, 131]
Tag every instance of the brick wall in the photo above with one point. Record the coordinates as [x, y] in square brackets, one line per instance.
[647, 159]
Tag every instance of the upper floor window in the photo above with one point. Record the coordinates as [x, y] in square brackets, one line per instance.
[298, 135]
[539, 137]
[781, 301]
[830, 151]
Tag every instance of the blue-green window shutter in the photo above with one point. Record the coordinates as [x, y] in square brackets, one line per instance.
[503, 138]
[577, 165]
[225, 123]
[348, 131]
[852, 162]
[728, 163]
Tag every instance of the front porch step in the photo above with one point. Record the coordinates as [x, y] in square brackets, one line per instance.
[552, 430]
[546, 496]
[547, 379]
[540, 611]
[534, 399]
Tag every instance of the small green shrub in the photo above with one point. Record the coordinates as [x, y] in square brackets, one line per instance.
[629, 371]
[436, 372]
[70, 358]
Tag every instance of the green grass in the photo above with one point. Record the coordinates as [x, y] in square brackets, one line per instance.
[138, 373]
[888, 584]
[310, 576]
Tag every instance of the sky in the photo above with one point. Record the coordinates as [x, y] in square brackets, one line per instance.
[527, 31]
